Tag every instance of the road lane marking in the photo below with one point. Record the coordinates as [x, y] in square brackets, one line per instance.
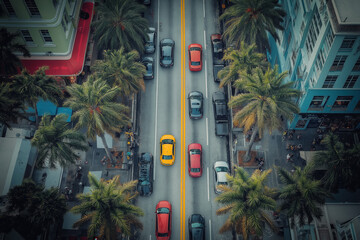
[207, 132]
[206, 88]
[210, 228]
[204, 39]
[208, 182]
[183, 133]
[204, 7]
[156, 96]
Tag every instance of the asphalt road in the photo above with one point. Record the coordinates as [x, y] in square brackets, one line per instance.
[160, 113]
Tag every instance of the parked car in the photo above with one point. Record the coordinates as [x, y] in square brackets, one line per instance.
[194, 160]
[217, 45]
[221, 169]
[196, 226]
[163, 220]
[195, 105]
[167, 46]
[145, 185]
[216, 69]
[167, 150]
[220, 114]
[149, 64]
[150, 44]
[195, 57]
[146, 2]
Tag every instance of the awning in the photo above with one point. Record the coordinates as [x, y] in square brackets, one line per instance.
[65, 110]
[45, 107]
[75, 64]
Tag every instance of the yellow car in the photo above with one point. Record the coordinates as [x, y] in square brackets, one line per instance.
[167, 150]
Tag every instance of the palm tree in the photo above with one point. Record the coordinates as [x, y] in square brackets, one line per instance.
[301, 196]
[241, 62]
[49, 210]
[121, 69]
[32, 210]
[32, 87]
[56, 142]
[247, 201]
[250, 20]
[120, 24]
[95, 108]
[9, 62]
[265, 100]
[342, 164]
[109, 208]
[11, 108]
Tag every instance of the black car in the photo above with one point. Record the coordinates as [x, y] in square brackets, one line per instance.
[145, 185]
[220, 113]
[149, 64]
[196, 227]
[151, 42]
[195, 105]
[167, 46]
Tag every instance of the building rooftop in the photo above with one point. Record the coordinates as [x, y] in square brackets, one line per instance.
[74, 65]
[347, 12]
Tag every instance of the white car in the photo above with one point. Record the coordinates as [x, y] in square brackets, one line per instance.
[221, 169]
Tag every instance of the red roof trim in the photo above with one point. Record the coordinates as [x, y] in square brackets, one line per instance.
[75, 64]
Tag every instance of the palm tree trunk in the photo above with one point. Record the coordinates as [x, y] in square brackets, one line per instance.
[252, 139]
[108, 153]
[36, 115]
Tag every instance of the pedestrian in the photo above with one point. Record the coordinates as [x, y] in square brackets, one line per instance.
[298, 136]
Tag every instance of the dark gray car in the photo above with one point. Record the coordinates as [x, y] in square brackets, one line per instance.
[167, 46]
[145, 186]
[150, 44]
[149, 64]
[195, 105]
[196, 226]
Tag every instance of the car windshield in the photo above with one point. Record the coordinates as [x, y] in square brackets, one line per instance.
[163, 210]
[222, 183]
[221, 169]
[196, 97]
[149, 68]
[195, 170]
[162, 234]
[167, 141]
[196, 225]
[195, 63]
[194, 151]
[195, 49]
[167, 157]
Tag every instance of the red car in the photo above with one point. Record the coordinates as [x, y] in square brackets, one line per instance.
[163, 220]
[195, 161]
[195, 57]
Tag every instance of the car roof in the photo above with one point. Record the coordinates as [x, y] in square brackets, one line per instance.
[168, 149]
[146, 157]
[195, 55]
[163, 222]
[195, 161]
[221, 176]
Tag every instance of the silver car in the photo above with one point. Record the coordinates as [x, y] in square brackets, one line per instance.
[221, 169]
[151, 42]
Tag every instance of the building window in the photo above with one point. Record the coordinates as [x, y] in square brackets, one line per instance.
[356, 66]
[350, 81]
[9, 8]
[46, 36]
[314, 30]
[357, 107]
[330, 37]
[317, 103]
[338, 63]
[320, 59]
[342, 103]
[347, 43]
[27, 37]
[31, 5]
[330, 81]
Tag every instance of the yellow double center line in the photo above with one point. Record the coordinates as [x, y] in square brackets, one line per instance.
[182, 144]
